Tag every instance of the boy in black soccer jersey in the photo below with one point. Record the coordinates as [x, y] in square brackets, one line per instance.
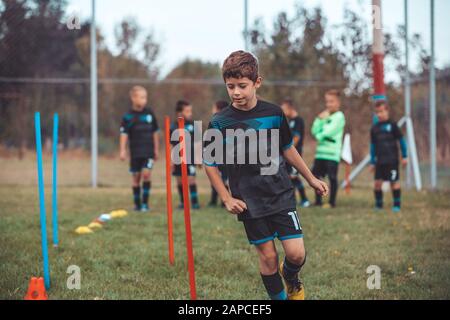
[297, 126]
[384, 136]
[184, 109]
[217, 107]
[140, 129]
[265, 203]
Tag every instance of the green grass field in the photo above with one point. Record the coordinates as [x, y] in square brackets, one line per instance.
[128, 258]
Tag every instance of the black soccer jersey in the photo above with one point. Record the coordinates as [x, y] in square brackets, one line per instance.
[189, 130]
[264, 194]
[297, 126]
[383, 147]
[140, 127]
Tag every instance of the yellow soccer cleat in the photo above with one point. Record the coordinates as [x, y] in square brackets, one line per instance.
[295, 291]
[326, 206]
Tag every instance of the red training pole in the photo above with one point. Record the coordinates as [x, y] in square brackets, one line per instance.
[378, 53]
[169, 191]
[187, 214]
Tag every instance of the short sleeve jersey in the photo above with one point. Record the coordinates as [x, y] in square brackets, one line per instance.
[297, 126]
[140, 127]
[264, 194]
[384, 137]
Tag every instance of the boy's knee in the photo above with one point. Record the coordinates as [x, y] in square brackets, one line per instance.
[378, 184]
[269, 259]
[395, 186]
[146, 176]
[296, 257]
[136, 179]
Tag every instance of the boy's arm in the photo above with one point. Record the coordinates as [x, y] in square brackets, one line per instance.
[293, 157]
[297, 133]
[403, 145]
[316, 127]
[337, 124]
[123, 146]
[156, 145]
[372, 148]
[233, 205]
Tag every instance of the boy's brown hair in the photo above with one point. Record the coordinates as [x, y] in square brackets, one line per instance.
[221, 104]
[288, 101]
[179, 107]
[240, 64]
[134, 89]
[381, 103]
[333, 92]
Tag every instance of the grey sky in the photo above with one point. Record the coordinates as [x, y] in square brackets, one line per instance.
[210, 29]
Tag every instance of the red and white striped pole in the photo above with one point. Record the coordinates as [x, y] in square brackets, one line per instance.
[378, 53]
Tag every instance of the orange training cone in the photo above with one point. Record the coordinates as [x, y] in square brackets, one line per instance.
[36, 290]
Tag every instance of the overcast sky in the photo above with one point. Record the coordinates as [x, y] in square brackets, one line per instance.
[210, 29]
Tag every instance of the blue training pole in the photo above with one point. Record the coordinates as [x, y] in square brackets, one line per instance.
[37, 125]
[55, 181]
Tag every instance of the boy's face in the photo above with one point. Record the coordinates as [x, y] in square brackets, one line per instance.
[139, 99]
[242, 91]
[286, 110]
[332, 103]
[382, 113]
[187, 112]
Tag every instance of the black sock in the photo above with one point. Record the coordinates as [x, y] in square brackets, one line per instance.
[378, 198]
[193, 193]
[318, 200]
[291, 270]
[146, 186]
[397, 195]
[274, 286]
[137, 196]
[333, 191]
[213, 196]
[180, 192]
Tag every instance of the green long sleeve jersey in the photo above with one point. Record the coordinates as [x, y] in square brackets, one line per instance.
[328, 133]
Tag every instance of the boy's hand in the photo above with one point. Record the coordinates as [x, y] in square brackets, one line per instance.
[404, 162]
[372, 168]
[235, 206]
[156, 155]
[319, 186]
[324, 114]
[123, 155]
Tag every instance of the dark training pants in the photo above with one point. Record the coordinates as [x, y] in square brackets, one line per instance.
[329, 168]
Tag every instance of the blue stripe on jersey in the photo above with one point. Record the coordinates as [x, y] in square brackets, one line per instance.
[403, 147]
[288, 145]
[270, 122]
[372, 153]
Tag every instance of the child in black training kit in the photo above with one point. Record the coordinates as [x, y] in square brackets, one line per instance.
[184, 109]
[139, 129]
[217, 107]
[385, 136]
[264, 203]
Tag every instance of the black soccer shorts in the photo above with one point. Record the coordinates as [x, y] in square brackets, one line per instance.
[191, 171]
[138, 164]
[387, 172]
[284, 225]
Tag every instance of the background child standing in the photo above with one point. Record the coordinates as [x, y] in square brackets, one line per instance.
[139, 129]
[384, 136]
